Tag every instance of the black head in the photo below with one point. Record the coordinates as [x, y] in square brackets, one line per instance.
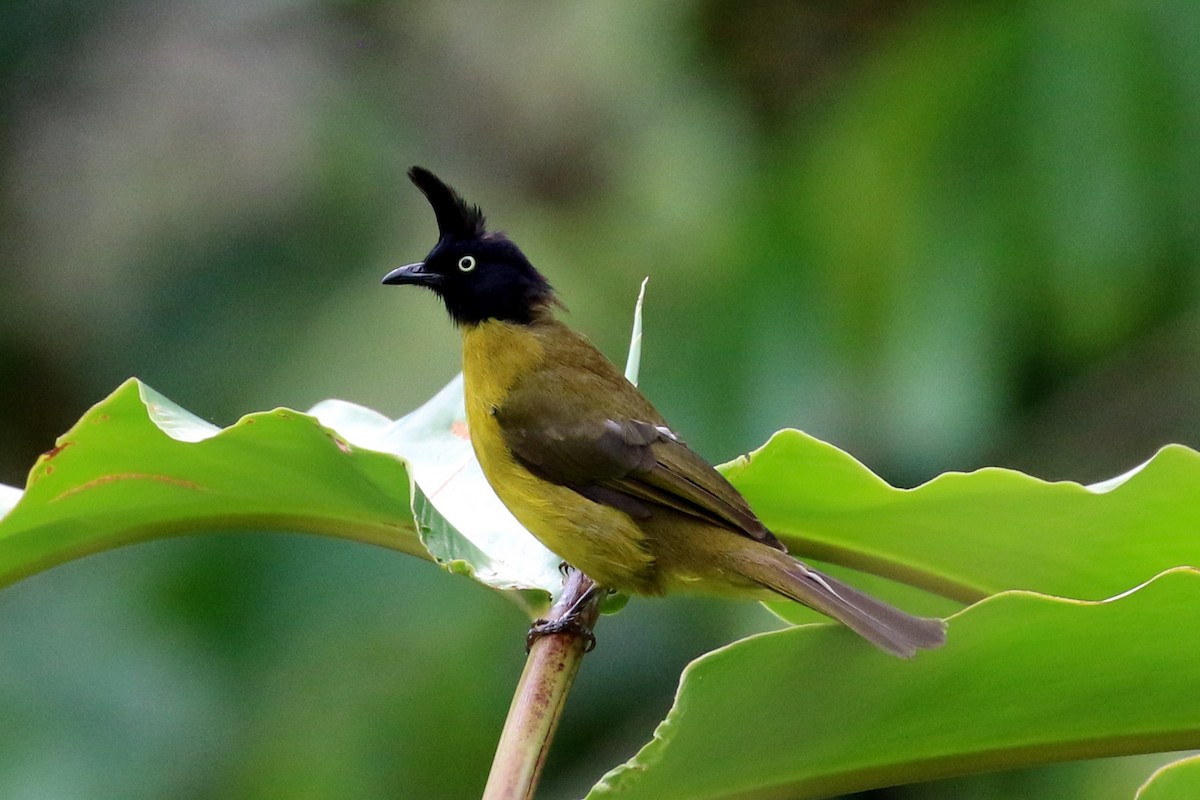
[479, 275]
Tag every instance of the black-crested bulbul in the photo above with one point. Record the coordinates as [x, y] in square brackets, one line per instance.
[584, 461]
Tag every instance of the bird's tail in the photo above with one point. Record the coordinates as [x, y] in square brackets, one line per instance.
[884, 626]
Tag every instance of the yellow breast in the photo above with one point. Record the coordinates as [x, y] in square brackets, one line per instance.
[603, 542]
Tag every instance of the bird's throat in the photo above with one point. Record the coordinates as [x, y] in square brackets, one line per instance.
[495, 355]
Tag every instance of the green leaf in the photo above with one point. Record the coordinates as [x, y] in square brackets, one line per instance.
[137, 467]
[1179, 780]
[1024, 679]
[633, 364]
[966, 536]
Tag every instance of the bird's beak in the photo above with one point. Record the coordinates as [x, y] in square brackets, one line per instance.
[414, 274]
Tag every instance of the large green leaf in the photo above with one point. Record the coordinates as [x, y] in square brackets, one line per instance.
[967, 536]
[137, 467]
[1025, 679]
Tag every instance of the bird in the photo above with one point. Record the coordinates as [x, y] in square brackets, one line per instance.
[585, 462]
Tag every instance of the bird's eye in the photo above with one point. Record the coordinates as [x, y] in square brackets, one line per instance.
[466, 263]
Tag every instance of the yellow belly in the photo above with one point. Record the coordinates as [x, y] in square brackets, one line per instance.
[603, 542]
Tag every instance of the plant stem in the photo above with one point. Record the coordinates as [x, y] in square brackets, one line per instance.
[541, 694]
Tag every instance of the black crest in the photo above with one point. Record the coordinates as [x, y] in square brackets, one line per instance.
[455, 217]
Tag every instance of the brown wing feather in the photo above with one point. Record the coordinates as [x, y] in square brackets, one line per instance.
[681, 472]
[590, 440]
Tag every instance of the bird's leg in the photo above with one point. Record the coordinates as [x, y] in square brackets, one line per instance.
[574, 619]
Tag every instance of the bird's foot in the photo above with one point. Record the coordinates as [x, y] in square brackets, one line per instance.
[568, 624]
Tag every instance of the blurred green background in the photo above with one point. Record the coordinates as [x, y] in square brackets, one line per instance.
[939, 235]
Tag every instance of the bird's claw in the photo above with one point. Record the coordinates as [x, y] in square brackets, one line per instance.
[567, 624]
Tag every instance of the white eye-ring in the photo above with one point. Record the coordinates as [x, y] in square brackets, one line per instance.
[466, 263]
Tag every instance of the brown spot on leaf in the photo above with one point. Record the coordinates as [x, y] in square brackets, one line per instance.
[58, 448]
